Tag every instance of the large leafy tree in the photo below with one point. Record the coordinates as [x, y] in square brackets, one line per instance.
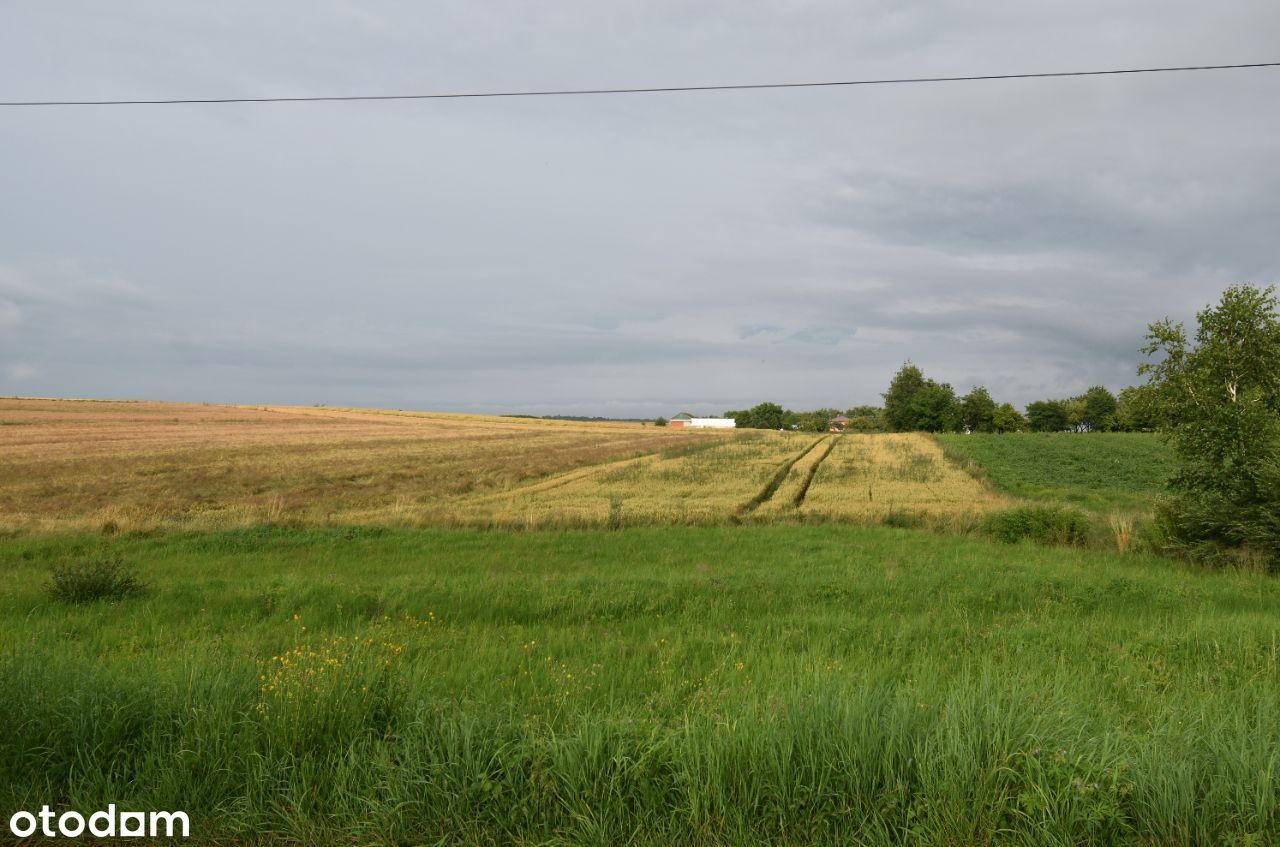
[978, 410]
[914, 403]
[762, 416]
[1099, 409]
[1008, 419]
[1047, 416]
[1217, 396]
[935, 408]
[1136, 410]
[1074, 409]
[899, 411]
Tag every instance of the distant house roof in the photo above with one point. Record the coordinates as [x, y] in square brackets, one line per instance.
[839, 419]
[683, 416]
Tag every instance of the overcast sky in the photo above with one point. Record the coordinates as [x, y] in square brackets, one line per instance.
[628, 256]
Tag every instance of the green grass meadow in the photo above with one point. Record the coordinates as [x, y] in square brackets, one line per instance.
[1096, 470]
[816, 684]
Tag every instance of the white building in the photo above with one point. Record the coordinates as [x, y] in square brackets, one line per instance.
[689, 422]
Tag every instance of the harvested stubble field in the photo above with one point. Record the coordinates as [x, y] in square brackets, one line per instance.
[121, 466]
[136, 465]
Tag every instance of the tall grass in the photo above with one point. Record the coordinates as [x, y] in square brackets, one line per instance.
[96, 578]
[750, 685]
[1042, 524]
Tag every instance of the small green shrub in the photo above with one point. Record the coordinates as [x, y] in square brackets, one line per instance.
[1216, 531]
[615, 511]
[97, 578]
[902, 519]
[1042, 524]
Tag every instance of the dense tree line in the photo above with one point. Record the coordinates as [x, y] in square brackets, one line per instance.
[773, 416]
[915, 403]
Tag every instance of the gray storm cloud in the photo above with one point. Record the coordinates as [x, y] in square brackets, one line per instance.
[621, 256]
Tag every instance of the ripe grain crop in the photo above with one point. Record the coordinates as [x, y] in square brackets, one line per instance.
[889, 477]
[121, 465]
[794, 486]
[693, 484]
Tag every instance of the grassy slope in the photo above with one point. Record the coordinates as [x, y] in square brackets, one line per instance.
[815, 684]
[1101, 470]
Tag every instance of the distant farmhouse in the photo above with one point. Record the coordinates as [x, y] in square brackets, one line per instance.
[684, 420]
[837, 424]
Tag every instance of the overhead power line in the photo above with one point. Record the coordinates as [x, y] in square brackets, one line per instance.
[668, 89]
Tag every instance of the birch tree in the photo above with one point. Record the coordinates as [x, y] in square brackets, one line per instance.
[1217, 397]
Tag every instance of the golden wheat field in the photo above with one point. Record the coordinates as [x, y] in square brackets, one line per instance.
[67, 464]
[136, 465]
[871, 477]
[753, 476]
[707, 482]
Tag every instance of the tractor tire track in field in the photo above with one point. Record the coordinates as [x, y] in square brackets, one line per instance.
[564, 478]
[771, 487]
[561, 479]
[813, 471]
